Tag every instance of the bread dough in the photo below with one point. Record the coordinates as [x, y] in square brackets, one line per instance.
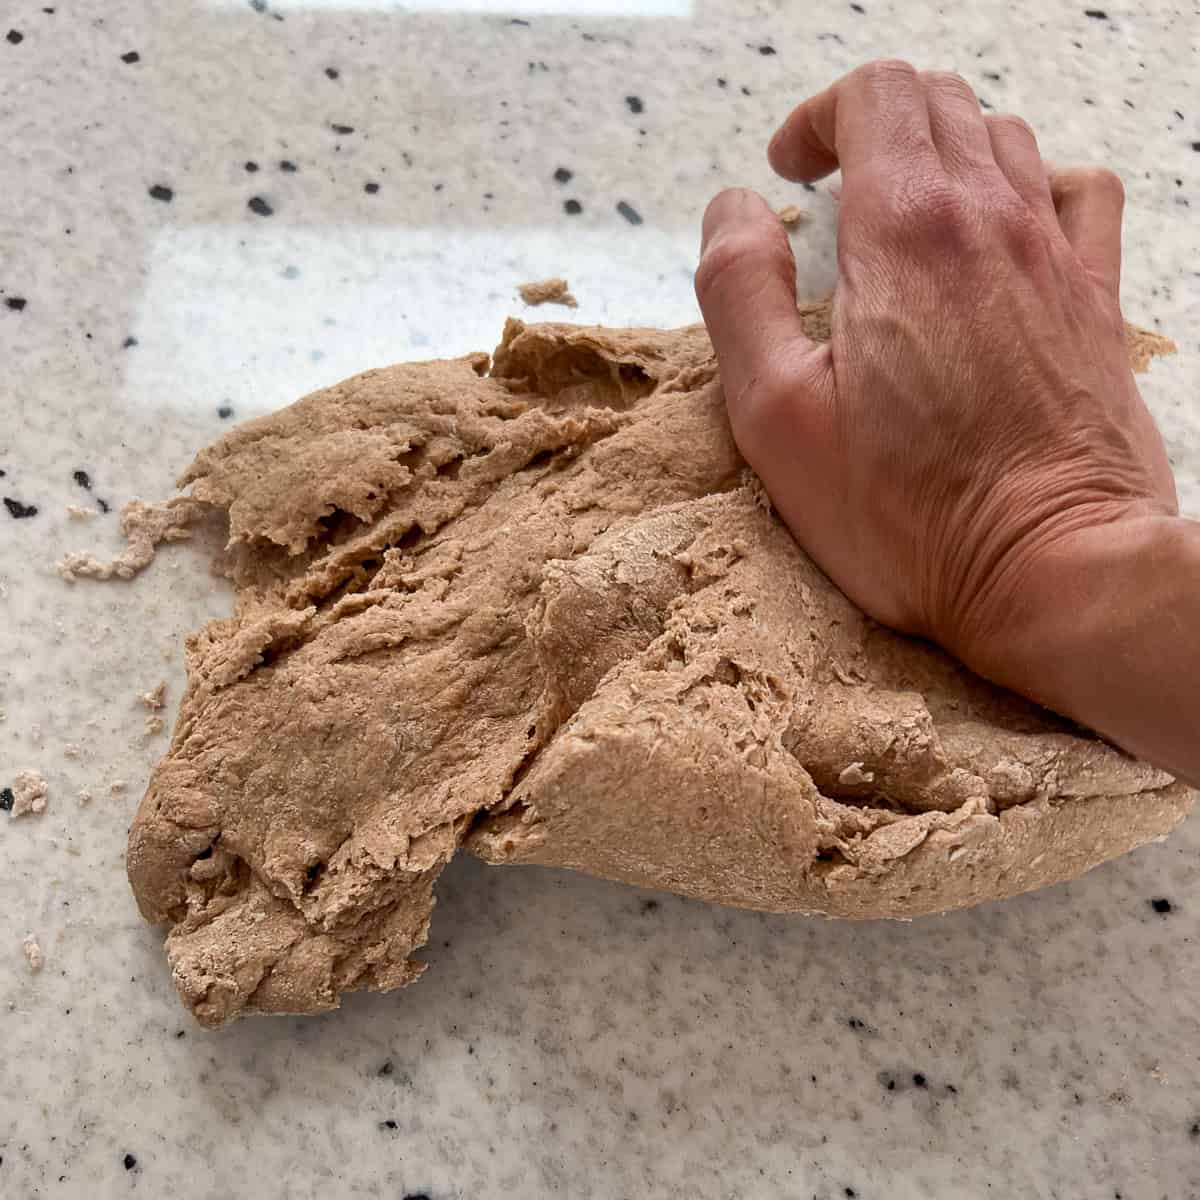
[29, 791]
[544, 613]
[547, 291]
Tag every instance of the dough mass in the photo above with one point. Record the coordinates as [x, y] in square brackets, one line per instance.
[541, 611]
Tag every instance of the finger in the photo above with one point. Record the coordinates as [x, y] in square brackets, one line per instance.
[875, 114]
[956, 123]
[1015, 149]
[746, 285]
[1089, 202]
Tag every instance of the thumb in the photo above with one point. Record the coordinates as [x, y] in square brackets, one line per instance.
[772, 373]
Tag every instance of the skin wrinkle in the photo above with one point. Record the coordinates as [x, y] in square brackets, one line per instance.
[653, 623]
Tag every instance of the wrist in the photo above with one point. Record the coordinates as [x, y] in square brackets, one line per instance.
[1071, 626]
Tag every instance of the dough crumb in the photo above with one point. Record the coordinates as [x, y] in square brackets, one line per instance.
[29, 793]
[33, 953]
[791, 216]
[144, 526]
[154, 726]
[854, 774]
[155, 698]
[117, 788]
[85, 797]
[80, 512]
[547, 291]
[70, 750]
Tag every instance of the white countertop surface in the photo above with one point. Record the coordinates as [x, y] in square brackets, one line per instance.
[571, 1038]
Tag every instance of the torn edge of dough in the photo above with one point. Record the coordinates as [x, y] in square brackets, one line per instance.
[156, 697]
[791, 216]
[547, 291]
[29, 790]
[144, 526]
[33, 953]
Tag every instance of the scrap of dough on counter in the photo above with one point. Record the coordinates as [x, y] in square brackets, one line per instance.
[791, 216]
[489, 606]
[154, 725]
[29, 791]
[144, 526]
[156, 697]
[547, 291]
[81, 512]
[85, 797]
[33, 953]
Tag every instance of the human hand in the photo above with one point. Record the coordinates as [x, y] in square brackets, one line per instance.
[974, 411]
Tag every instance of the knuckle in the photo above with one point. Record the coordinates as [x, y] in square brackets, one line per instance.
[885, 69]
[950, 82]
[920, 204]
[1104, 181]
[1011, 125]
[722, 256]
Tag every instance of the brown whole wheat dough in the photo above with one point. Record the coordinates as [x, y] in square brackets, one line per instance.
[541, 611]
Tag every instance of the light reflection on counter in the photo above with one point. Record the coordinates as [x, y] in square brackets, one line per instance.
[254, 324]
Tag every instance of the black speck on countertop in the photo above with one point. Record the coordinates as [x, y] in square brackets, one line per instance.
[386, 1069]
[766, 49]
[416, 1196]
[161, 192]
[103, 505]
[1097, 14]
[341, 128]
[16, 303]
[572, 207]
[7, 799]
[562, 175]
[388, 1124]
[634, 103]
[332, 72]
[129, 342]
[225, 412]
[1193, 1132]
[1196, 147]
[131, 56]
[129, 1161]
[286, 164]
[630, 213]
[17, 510]
[179, 1033]
[994, 76]
[919, 1080]
[83, 479]
[1161, 904]
[15, 37]
[858, 8]
[256, 204]
[370, 188]
[259, 5]
[251, 166]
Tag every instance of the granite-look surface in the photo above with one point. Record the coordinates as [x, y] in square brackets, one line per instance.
[189, 234]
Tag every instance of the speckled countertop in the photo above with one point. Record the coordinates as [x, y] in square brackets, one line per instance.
[208, 208]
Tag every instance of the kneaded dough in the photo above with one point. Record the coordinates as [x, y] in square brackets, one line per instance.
[540, 610]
